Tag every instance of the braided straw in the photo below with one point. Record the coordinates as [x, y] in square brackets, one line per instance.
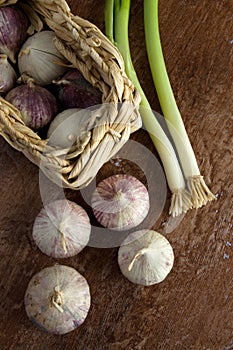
[88, 50]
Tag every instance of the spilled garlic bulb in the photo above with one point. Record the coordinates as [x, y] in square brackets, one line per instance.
[61, 229]
[145, 257]
[57, 299]
[120, 202]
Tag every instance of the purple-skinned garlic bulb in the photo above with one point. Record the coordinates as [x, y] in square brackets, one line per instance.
[61, 229]
[74, 91]
[145, 257]
[57, 299]
[120, 202]
[37, 105]
[13, 30]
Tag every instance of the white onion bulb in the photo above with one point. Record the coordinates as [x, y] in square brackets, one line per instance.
[61, 229]
[57, 299]
[145, 257]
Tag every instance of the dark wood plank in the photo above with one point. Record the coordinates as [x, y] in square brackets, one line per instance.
[193, 307]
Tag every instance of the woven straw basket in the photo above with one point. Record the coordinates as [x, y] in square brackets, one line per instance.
[88, 50]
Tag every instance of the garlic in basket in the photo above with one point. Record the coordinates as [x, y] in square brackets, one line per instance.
[13, 30]
[57, 299]
[7, 75]
[40, 59]
[66, 126]
[145, 257]
[120, 202]
[37, 105]
[75, 91]
[61, 229]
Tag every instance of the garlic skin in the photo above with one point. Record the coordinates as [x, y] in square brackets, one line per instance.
[145, 257]
[39, 58]
[120, 202]
[61, 229]
[13, 30]
[57, 299]
[37, 105]
[7, 75]
[74, 91]
[66, 126]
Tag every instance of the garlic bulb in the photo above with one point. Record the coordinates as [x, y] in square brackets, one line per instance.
[61, 229]
[37, 105]
[75, 91]
[13, 30]
[40, 59]
[57, 299]
[66, 127]
[120, 202]
[145, 257]
[7, 75]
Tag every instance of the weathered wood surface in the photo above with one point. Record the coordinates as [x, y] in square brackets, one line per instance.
[193, 307]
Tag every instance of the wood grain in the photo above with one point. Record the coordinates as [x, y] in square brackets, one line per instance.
[193, 308]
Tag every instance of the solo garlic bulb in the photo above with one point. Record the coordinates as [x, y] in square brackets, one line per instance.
[57, 299]
[37, 105]
[13, 30]
[7, 75]
[74, 91]
[61, 229]
[67, 127]
[145, 257]
[39, 58]
[120, 202]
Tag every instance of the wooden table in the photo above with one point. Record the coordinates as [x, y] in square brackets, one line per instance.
[193, 307]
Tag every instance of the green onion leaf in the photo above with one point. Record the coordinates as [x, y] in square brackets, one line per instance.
[200, 193]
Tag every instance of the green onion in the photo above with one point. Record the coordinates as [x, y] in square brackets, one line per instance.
[200, 193]
[109, 17]
[117, 21]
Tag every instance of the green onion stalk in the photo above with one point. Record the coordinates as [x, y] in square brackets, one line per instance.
[200, 193]
[116, 27]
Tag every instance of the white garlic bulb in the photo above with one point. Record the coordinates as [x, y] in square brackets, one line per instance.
[145, 257]
[7, 75]
[68, 126]
[61, 229]
[39, 58]
[120, 202]
[57, 299]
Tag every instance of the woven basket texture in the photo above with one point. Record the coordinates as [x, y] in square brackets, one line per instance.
[87, 49]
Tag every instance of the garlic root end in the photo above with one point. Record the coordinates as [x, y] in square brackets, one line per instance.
[136, 257]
